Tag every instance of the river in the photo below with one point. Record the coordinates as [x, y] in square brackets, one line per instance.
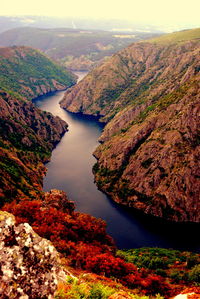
[70, 169]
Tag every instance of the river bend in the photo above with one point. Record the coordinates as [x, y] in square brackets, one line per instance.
[70, 169]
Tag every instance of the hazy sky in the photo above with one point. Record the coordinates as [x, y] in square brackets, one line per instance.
[171, 12]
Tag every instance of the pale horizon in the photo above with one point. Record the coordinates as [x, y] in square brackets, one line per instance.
[172, 13]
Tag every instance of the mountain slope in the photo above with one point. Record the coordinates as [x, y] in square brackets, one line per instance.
[29, 73]
[27, 136]
[150, 154]
[76, 49]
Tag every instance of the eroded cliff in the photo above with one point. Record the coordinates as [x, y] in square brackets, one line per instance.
[149, 93]
[27, 136]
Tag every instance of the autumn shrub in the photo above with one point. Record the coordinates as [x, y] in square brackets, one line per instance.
[154, 284]
[83, 240]
[132, 280]
[63, 229]
[109, 265]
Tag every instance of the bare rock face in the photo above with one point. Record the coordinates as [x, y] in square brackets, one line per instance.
[149, 93]
[153, 164]
[29, 264]
[58, 199]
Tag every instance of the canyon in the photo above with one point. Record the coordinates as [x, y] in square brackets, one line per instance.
[148, 94]
[148, 159]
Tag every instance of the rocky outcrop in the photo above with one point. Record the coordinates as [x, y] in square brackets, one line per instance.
[27, 136]
[149, 156]
[58, 199]
[153, 165]
[29, 265]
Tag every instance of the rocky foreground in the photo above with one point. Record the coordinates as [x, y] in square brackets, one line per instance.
[30, 265]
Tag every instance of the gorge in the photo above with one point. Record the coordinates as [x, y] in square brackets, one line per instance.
[149, 153]
[70, 169]
[163, 127]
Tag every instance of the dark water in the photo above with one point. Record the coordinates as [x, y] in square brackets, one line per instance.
[70, 169]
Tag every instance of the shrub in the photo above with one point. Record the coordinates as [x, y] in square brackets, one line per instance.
[176, 276]
[99, 291]
[194, 274]
[192, 261]
[154, 284]
[161, 272]
[109, 265]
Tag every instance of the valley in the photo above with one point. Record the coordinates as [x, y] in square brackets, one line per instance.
[70, 169]
[148, 94]
[137, 116]
[76, 49]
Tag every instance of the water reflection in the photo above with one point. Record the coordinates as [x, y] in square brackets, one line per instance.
[70, 169]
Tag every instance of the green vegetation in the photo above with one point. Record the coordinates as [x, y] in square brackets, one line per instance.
[174, 264]
[175, 37]
[28, 73]
[76, 49]
[154, 258]
[77, 288]
[194, 274]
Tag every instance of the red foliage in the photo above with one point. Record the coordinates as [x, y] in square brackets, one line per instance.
[154, 284]
[59, 226]
[133, 280]
[109, 265]
[84, 240]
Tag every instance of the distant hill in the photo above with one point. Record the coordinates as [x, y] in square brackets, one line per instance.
[77, 49]
[10, 22]
[149, 93]
[28, 73]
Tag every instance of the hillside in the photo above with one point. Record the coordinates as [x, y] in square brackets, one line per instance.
[149, 95]
[90, 266]
[27, 137]
[93, 267]
[28, 73]
[76, 49]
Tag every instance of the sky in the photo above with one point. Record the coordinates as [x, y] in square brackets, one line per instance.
[154, 12]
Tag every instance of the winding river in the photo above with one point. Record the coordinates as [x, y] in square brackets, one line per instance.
[70, 169]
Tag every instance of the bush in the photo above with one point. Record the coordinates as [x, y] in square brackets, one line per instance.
[161, 272]
[99, 291]
[194, 274]
[109, 265]
[192, 261]
[176, 276]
